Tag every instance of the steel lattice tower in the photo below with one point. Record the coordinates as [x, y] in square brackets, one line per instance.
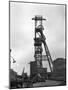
[38, 41]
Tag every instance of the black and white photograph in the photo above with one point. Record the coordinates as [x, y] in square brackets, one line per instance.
[37, 44]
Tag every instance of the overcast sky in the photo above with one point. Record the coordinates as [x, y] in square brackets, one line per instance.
[22, 32]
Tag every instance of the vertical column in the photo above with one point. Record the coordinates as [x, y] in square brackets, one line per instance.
[37, 40]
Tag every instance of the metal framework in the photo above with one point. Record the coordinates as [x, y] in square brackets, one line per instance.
[38, 41]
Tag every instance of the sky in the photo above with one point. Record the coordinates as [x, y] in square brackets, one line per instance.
[22, 32]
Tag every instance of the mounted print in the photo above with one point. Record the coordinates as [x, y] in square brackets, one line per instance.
[37, 41]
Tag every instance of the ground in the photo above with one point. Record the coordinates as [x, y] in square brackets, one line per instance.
[47, 83]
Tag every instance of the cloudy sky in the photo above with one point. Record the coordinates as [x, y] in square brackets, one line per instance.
[22, 32]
